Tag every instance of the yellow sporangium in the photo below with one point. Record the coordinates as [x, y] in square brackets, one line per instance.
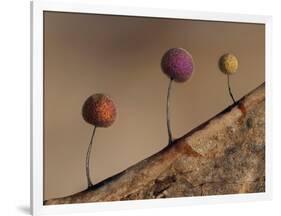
[228, 63]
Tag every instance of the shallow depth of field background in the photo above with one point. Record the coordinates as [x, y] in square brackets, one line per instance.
[120, 56]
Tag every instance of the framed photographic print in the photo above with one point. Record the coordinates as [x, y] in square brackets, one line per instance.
[142, 107]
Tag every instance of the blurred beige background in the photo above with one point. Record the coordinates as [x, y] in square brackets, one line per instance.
[120, 56]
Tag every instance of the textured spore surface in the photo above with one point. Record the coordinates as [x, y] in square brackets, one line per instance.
[99, 110]
[177, 64]
[228, 63]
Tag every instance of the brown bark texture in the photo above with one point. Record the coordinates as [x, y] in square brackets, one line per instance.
[225, 155]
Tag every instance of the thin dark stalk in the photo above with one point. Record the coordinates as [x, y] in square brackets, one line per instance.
[168, 112]
[88, 159]
[229, 90]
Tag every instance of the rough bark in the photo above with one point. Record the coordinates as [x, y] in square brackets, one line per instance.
[225, 155]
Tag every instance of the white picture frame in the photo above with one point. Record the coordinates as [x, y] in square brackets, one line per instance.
[37, 10]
